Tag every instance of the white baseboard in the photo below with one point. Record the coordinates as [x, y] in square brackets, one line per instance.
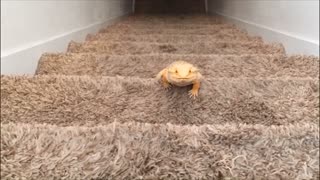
[292, 43]
[24, 61]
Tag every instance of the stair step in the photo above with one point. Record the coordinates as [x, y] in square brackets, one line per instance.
[177, 27]
[83, 100]
[170, 16]
[147, 66]
[199, 31]
[170, 26]
[172, 38]
[225, 48]
[148, 151]
[174, 20]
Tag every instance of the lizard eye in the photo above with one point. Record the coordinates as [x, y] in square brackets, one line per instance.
[190, 71]
[177, 71]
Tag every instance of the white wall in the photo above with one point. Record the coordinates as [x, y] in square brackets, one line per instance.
[295, 23]
[30, 28]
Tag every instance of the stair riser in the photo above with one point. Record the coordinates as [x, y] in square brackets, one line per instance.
[149, 65]
[79, 100]
[227, 48]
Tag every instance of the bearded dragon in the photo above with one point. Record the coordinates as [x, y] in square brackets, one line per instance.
[181, 73]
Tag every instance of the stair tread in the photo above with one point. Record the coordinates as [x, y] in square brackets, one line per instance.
[227, 47]
[169, 26]
[165, 27]
[63, 100]
[172, 38]
[203, 31]
[153, 151]
[211, 66]
[174, 20]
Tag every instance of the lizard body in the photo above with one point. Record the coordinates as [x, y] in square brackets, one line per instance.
[181, 73]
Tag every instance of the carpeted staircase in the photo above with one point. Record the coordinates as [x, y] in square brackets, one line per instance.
[97, 112]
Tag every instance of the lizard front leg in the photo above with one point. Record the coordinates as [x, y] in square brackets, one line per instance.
[195, 89]
[162, 77]
[165, 82]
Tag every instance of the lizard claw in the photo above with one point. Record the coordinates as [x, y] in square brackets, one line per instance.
[193, 93]
[166, 86]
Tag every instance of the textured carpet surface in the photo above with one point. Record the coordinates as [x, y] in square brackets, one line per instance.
[174, 19]
[168, 30]
[68, 99]
[163, 151]
[147, 66]
[171, 38]
[96, 111]
[121, 48]
[126, 26]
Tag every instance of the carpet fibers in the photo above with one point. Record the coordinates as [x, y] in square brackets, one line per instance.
[97, 112]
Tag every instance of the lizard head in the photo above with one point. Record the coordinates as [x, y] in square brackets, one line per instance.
[182, 71]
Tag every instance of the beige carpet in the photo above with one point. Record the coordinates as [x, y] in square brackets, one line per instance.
[96, 111]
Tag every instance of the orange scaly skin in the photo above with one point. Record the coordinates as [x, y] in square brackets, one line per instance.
[181, 73]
